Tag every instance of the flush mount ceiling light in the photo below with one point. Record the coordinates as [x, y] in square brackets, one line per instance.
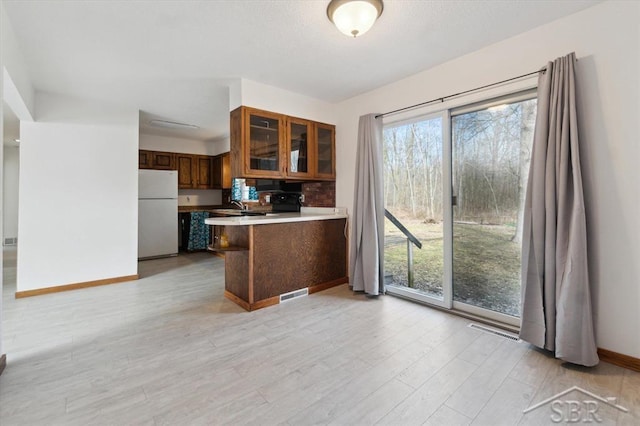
[172, 124]
[354, 17]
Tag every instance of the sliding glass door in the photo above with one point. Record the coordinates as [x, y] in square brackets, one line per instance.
[454, 194]
[491, 152]
[416, 169]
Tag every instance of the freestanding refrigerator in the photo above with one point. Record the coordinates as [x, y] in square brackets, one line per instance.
[157, 213]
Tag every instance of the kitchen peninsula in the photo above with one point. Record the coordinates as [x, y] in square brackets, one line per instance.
[280, 253]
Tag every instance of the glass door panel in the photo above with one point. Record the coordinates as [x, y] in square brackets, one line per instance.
[415, 225]
[491, 152]
[264, 143]
[298, 147]
[325, 146]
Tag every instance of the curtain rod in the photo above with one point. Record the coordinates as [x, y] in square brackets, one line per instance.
[442, 99]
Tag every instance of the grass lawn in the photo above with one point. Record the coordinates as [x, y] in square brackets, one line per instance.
[486, 263]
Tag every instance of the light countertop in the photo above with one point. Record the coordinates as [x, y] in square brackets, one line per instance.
[304, 216]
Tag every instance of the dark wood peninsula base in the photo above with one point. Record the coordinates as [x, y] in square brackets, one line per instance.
[264, 261]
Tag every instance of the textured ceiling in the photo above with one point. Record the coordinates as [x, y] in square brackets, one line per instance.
[174, 59]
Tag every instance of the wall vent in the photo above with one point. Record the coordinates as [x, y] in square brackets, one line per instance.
[495, 332]
[285, 297]
[11, 241]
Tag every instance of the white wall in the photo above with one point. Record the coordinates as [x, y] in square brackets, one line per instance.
[13, 63]
[184, 146]
[606, 41]
[11, 168]
[270, 98]
[78, 193]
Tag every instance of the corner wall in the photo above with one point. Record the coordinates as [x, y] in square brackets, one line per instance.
[262, 96]
[13, 63]
[10, 179]
[78, 193]
[606, 40]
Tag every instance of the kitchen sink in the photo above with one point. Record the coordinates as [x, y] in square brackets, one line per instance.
[234, 212]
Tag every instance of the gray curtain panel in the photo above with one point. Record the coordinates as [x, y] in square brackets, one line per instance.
[556, 298]
[367, 242]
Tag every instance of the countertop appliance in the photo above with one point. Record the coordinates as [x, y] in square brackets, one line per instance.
[285, 202]
[157, 213]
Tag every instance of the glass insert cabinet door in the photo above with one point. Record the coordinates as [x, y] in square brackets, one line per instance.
[325, 151]
[264, 143]
[299, 138]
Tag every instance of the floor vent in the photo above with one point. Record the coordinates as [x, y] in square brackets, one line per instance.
[495, 332]
[11, 241]
[285, 297]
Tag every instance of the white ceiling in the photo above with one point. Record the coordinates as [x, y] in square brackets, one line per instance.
[174, 59]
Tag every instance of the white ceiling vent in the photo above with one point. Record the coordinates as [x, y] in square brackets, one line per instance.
[172, 125]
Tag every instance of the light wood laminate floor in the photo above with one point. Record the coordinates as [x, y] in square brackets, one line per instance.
[169, 349]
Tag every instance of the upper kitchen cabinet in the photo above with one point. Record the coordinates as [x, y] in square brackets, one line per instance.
[164, 160]
[203, 180]
[187, 171]
[299, 141]
[221, 171]
[257, 141]
[194, 171]
[145, 159]
[269, 145]
[325, 154]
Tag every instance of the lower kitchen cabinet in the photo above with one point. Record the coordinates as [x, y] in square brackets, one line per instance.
[260, 265]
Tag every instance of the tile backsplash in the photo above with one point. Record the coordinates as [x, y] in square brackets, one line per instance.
[319, 194]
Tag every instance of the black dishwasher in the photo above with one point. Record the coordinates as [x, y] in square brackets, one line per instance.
[184, 225]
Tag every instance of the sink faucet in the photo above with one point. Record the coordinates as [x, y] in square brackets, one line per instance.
[239, 204]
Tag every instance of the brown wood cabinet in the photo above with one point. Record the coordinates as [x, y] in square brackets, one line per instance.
[269, 145]
[194, 171]
[252, 281]
[257, 143]
[186, 171]
[324, 156]
[203, 177]
[221, 171]
[164, 160]
[299, 152]
[145, 159]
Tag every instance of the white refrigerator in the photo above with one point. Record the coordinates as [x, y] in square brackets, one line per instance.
[157, 213]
